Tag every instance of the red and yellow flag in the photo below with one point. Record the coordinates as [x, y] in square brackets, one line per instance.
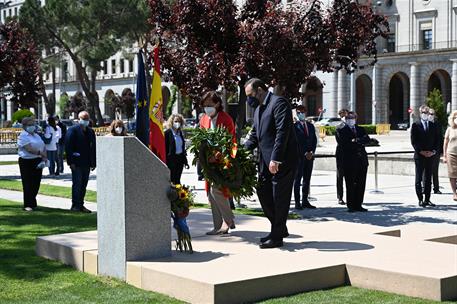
[156, 134]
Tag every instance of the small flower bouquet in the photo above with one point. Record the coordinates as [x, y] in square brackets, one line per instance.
[181, 198]
[224, 164]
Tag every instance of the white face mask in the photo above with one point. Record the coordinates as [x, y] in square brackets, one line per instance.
[83, 122]
[210, 110]
[176, 125]
[455, 120]
[118, 130]
[424, 116]
[350, 122]
[431, 118]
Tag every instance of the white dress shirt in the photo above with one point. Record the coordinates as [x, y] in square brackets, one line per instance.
[35, 142]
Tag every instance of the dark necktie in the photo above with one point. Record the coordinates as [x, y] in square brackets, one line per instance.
[305, 128]
[354, 131]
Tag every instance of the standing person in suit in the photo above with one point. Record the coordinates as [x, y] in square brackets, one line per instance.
[60, 145]
[175, 146]
[307, 142]
[351, 140]
[215, 117]
[425, 142]
[273, 134]
[80, 150]
[436, 157]
[339, 166]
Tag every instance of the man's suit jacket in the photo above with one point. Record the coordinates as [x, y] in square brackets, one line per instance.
[170, 144]
[424, 140]
[273, 133]
[80, 147]
[306, 142]
[352, 153]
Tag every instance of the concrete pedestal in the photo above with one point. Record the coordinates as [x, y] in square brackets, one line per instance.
[133, 209]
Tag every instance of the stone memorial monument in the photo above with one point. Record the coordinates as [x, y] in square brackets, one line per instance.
[133, 215]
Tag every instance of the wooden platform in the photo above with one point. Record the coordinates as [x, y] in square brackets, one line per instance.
[412, 260]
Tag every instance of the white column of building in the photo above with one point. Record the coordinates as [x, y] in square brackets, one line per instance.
[331, 105]
[353, 105]
[375, 91]
[414, 91]
[342, 90]
[454, 85]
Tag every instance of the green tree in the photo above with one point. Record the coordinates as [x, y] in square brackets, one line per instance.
[19, 115]
[435, 101]
[89, 31]
[63, 105]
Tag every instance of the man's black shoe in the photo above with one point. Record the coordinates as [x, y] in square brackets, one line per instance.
[271, 244]
[308, 206]
[422, 204]
[429, 203]
[268, 237]
[85, 210]
[76, 209]
[341, 202]
[361, 209]
[351, 210]
[437, 192]
[298, 207]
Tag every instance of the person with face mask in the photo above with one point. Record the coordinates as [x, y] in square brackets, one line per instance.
[307, 142]
[437, 156]
[274, 137]
[425, 142]
[80, 149]
[339, 167]
[31, 151]
[60, 145]
[215, 117]
[450, 152]
[175, 148]
[117, 128]
[351, 140]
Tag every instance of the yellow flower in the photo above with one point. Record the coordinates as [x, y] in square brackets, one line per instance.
[182, 194]
[178, 186]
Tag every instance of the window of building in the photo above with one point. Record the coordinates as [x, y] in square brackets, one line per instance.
[113, 66]
[4, 16]
[390, 43]
[426, 39]
[131, 66]
[105, 67]
[15, 11]
[10, 12]
[122, 67]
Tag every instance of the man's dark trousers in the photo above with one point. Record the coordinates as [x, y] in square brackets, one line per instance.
[79, 177]
[339, 181]
[304, 171]
[355, 178]
[274, 192]
[423, 171]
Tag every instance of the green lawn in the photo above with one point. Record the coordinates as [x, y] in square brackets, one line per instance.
[51, 190]
[26, 278]
[8, 162]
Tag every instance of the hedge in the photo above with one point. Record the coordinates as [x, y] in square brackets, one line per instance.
[370, 129]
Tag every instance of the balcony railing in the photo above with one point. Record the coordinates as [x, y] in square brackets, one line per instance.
[417, 47]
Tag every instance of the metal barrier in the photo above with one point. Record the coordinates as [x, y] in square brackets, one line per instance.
[8, 137]
[382, 129]
[375, 154]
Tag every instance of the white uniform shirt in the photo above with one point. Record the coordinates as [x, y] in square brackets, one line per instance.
[56, 134]
[35, 142]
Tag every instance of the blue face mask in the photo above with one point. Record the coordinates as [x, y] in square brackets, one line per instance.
[301, 116]
[30, 129]
[83, 122]
[252, 102]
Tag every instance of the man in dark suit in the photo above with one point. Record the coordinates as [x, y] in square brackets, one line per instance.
[307, 142]
[436, 158]
[425, 142]
[351, 140]
[80, 150]
[339, 166]
[273, 134]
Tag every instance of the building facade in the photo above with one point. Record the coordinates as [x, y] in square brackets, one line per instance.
[419, 55]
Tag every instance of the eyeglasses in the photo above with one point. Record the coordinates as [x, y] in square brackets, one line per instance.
[424, 112]
[431, 114]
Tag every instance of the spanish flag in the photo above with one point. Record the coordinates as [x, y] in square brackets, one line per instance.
[156, 134]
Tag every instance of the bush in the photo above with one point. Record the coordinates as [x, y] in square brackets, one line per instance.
[19, 115]
[330, 130]
[370, 129]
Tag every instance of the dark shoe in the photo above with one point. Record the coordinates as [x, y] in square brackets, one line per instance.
[308, 206]
[76, 209]
[271, 244]
[298, 207]
[351, 210]
[268, 237]
[361, 209]
[85, 210]
[422, 204]
[429, 203]
[437, 192]
[232, 225]
[341, 202]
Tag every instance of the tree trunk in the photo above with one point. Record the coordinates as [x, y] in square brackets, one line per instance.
[43, 92]
[241, 117]
[94, 99]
